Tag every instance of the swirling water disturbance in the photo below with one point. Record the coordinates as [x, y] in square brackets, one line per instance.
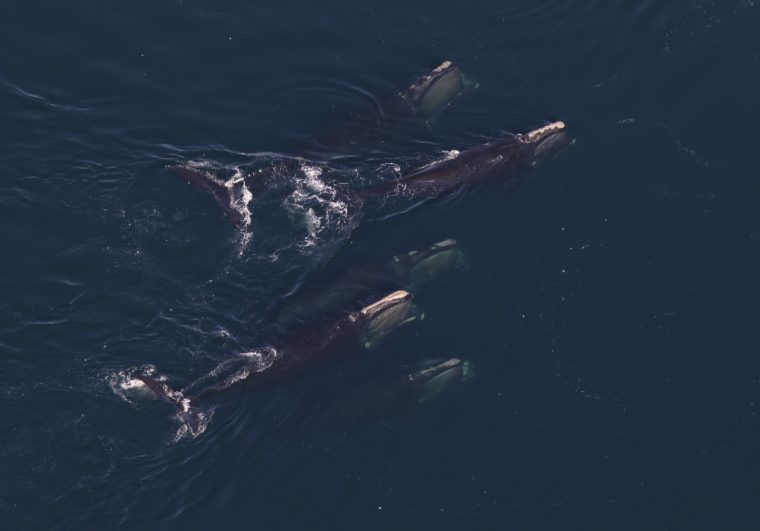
[605, 309]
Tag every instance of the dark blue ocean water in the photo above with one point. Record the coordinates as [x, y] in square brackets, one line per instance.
[609, 306]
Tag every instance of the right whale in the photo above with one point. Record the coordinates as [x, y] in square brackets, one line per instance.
[507, 159]
[339, 338]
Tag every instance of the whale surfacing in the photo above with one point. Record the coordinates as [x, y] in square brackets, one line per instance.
[507, 159]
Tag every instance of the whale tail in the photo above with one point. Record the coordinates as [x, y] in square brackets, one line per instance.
[232, 195]
[192, 417]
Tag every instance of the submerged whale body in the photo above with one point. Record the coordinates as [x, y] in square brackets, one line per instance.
[389, 391]
[330, 290]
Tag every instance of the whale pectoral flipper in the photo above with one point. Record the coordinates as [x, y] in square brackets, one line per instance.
[161, 390]
[232, 195]
[191, 416]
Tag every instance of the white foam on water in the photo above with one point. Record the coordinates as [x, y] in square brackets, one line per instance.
[177, 396]
[392, 166]
[316, 203]
[265, 357]
[247, 362]
[312, 181]
[124, 384]
[239, 376]
[203, 417]
[240, 200]
[132, 384]
[182, 432]
[258, 361]
[240, 195]
[201, 164]
[220, 331]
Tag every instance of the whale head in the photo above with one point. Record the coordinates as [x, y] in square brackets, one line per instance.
[548, 140]
[382, 316]
[420, 266]
[436, 378]
[434, 91]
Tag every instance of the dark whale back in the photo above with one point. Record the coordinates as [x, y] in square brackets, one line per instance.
[299, 352]
[302, 349]
[507, 159]
[470, 166]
